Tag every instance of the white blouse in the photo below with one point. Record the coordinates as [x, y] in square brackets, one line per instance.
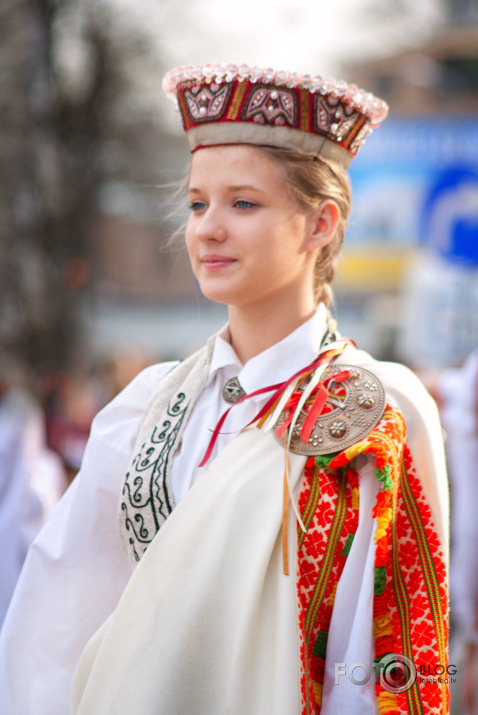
[276, 364]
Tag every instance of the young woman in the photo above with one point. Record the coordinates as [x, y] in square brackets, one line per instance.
[261, 528]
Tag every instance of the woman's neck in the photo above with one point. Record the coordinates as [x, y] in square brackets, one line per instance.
[253, 331]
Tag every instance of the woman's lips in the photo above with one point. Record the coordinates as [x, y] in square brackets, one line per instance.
[214, 262]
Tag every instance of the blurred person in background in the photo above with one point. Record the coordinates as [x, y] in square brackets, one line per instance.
[72, 399]
[31, 481]
[457, 391]
[249, 524]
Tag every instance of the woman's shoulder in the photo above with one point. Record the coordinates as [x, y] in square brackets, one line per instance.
[425, 437]
[118, 422]
[401, 384]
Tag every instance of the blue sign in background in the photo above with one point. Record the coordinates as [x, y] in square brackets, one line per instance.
[449, 220]
[413, 175]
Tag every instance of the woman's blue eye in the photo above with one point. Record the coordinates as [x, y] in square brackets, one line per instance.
[243, 204]
[197, 205]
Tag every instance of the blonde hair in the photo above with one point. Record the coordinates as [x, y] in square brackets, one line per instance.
[313, 180]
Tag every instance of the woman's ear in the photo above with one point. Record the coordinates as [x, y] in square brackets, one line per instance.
[324, 222]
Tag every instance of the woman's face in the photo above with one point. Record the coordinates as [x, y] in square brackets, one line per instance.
[247, 241]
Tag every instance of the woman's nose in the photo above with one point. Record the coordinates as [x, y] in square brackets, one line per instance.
[211, 226]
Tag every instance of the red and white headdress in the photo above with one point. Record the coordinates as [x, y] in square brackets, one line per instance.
[230, 104]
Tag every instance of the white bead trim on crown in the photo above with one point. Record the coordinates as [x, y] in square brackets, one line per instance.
[365, 102]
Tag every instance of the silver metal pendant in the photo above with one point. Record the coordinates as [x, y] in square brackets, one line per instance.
[233, 390]
[358, 405]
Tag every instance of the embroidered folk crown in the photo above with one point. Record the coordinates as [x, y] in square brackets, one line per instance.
[230, 104]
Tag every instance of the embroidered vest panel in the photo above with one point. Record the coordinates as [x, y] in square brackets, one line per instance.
[147, 497]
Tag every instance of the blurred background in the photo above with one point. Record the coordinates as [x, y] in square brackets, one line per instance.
[89, 147]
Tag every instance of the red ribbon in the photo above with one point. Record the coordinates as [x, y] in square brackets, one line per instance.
[319, 397]
[279, 389]
[316, 409]
[217, 429]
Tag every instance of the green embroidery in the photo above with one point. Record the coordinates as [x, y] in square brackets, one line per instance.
[379, 580]
[320, 645]
[348, 545]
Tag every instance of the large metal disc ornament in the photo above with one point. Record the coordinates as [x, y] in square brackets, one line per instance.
[356, 406]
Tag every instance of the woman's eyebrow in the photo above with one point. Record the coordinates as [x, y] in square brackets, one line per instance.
[241, 187]
[231, 189]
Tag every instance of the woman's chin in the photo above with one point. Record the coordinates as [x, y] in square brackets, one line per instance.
[220, 291]
[218, 296]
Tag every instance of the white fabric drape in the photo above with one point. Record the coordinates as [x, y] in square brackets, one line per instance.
[221, 644]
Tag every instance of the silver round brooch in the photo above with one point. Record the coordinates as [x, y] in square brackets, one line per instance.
[355, 407]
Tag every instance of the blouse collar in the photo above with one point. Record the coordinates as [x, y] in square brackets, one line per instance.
[277, 363]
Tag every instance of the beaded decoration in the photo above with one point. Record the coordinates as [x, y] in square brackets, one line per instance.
[230, 104]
